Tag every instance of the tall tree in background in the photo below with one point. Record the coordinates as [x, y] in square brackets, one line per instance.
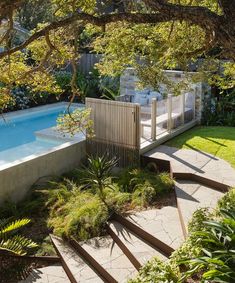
[160, 33]
[33, 12]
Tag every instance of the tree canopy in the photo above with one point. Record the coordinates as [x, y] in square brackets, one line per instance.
[158, 33]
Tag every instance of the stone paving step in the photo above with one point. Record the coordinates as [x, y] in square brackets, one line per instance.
[49, 274]
[107, 253]
[197, 162]
[141, 250]
[79, 270]
[192, 196]
[164, 224]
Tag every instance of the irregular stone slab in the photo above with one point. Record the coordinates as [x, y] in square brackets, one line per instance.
[197, 162]
[49, 274]
[106, 252]
[163, 223]
[80, 269]
[192, 196]
[141, 250]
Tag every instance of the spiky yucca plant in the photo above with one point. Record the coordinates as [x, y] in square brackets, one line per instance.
[97, 174]
[10, 241]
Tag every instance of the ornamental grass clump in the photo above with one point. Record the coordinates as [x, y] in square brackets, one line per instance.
[145, 187]
[83, 216]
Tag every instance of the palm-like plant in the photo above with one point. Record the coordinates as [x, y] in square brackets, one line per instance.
[217, 263]
[97, 174]
[10, 241]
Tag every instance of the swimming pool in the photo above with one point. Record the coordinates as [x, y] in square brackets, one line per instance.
[17, 131]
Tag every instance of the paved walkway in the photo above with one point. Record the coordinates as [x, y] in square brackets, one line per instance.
[198, 162]
[192, 196]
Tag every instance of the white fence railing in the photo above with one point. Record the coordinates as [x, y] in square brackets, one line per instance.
[164, 116]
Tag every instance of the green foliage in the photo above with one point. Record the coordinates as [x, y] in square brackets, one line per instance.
[228, 200]
[77, 121]
[217, 263]
[155, 271]
[191, 247]
[82, 215]
[10, 241]
[63, 79]
[145, 187]
[33, 12]
[97, 174]
[219, 111]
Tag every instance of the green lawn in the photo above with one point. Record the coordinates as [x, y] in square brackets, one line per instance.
[219, 141]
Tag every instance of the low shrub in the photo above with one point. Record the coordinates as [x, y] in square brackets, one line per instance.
[217, 262]
[155, 271]
[219, 111]
[191, 247]
[228, 200]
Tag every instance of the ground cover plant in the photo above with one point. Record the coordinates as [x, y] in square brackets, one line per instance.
[218, 141]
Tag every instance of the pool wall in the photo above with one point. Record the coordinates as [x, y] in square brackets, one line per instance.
[17, 178]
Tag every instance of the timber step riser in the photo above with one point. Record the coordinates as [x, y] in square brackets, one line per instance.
[124, 248]
[92, 262]
[155, 242]
[65, 266]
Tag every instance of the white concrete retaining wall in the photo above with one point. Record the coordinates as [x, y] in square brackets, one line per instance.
[17, 178]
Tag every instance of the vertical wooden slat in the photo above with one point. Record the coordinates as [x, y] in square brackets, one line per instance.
[116, 127]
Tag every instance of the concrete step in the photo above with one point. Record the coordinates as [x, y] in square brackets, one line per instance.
[77, 269]
[107, 253]
[164, 224]
[192, 196]
[139, 249]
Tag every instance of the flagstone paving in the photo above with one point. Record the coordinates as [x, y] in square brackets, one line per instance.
[139, 248]
[197, 162]
[192, 196]
[50, 274]
[163, 223]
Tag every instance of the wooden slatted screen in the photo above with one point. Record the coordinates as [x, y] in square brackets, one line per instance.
[116, 128]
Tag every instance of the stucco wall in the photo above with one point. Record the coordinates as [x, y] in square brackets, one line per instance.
[16, 179]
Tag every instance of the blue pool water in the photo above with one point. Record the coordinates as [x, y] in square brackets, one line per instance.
[17, 134]
[19, 131]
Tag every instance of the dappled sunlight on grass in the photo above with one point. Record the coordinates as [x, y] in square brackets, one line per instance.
[218, 141]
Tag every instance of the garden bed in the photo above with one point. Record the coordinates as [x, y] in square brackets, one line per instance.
[73, 205]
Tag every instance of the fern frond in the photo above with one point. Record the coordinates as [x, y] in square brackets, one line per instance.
[17, 245]
[13, 226]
